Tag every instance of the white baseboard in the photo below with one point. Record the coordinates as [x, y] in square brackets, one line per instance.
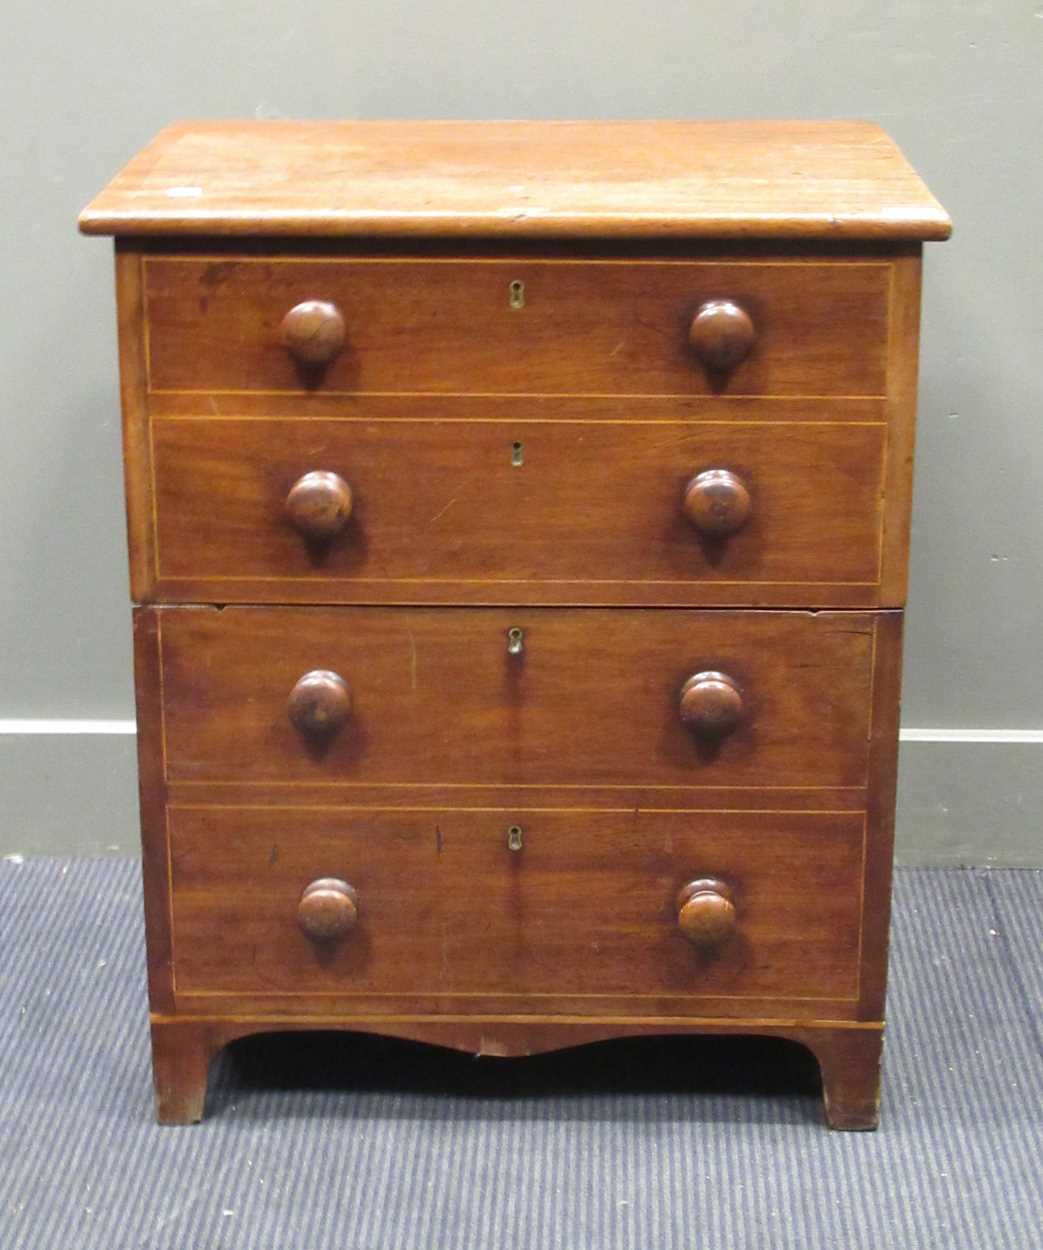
[972, 735]
[56, 726]
[965, 796]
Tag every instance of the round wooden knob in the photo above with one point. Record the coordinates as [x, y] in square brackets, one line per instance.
[717, 502]
[711, 704]
[319, 703]
[721, 334]
[706, 912]
[319, 505]
[328, 909]
[313, 332]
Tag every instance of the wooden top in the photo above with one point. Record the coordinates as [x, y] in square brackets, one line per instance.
[511, 179]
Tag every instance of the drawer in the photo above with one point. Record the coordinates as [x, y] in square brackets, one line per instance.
[435, 696]
[539, 512]
[587, 909]
[516, 326]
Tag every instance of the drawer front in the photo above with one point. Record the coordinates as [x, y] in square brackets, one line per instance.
[586, 909]
[556, 511]
[590, 697]
[517, 327]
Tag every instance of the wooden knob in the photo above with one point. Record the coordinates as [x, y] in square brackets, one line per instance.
[313, 332]
[328, 909]
[721, 334]
[717, 502]
[319, 703]
[319, 505]
[711, 704]
[706, 912]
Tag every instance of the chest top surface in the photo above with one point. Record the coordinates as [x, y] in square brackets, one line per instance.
[521, 179]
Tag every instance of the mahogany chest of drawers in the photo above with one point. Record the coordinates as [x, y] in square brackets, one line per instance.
[518, 519]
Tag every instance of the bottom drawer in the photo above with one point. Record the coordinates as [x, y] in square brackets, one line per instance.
[586, 912]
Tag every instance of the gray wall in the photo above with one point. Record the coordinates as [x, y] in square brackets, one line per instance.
[957, 84]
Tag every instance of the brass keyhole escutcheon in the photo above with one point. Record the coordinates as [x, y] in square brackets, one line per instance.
[514, 838]
[516, 294]
[515, 641]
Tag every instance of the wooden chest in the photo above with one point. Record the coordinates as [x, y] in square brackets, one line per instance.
[518, 520]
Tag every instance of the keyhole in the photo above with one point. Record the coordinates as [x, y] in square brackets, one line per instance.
[514, 838]
[517, 454]
[516, 294]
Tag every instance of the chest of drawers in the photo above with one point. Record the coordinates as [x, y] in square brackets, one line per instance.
[518, 518]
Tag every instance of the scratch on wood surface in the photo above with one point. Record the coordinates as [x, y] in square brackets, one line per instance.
[674, 440]
[412, 661]
[438, 515]
[662, 331]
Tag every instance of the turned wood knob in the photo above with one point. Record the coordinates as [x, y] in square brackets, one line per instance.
[319, 505]
[313, 332]
[717, 502]
[319, 703]
[706, 911]
[721, 334]
[328, 909]
[711, 704]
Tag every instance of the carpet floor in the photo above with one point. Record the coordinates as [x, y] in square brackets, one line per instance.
[661, 1144]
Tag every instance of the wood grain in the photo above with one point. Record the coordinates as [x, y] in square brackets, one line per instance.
[137, 431]
[327, 911]
[722, 179]
[721, 334]
[706, 912]
[650, 409]
[318, 506]
[903, 364]
[848, 1054]
[717, 502]
[152, 802]
[441, 513]
[849, 1060]
[491, 347]
[712, 705]
[507, 798]
[880, 803]
[587, 909]
[447, 326]
[313, 333]
[182, 1051]
[592, 701]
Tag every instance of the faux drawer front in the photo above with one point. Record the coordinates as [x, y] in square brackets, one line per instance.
[474, 326]
[586, 909]
[436, 697]
[506, 512]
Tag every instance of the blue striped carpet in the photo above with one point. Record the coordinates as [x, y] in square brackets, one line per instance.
[656, 1145]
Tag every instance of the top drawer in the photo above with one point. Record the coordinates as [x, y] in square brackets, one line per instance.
[481, 326]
